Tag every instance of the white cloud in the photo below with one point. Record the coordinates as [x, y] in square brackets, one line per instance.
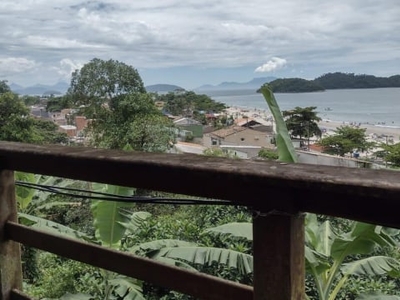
[13, 65]
[275, 63]
[204, 34]
[67, 66]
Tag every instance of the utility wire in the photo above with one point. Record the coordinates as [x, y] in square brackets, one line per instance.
[92, 195]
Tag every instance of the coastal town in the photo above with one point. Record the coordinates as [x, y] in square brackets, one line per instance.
[245, 133]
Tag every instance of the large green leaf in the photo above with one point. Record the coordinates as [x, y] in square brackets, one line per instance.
[136, 220]
[371, 266]
[206, 256]
[235, 229]
[50, 226]
[378, 296]
[362, 239]
[127, 288]
[316, 262]
[108, 216]
[285, 146]
[80, 296]
[149, 247]
[23, 194]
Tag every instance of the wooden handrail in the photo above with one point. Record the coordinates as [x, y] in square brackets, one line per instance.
[268, 186]
[279, 193]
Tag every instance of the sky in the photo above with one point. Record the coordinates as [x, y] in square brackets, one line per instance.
[194, 42]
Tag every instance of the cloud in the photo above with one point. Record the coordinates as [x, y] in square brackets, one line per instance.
[275, 63]
[67, 66]
[14, 65]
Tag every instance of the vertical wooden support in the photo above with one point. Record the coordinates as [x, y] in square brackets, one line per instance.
[278, 245]
[10, 253]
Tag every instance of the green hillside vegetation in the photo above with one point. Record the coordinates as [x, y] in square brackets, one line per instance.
[351, 81]
[295, 85]
[163, 88]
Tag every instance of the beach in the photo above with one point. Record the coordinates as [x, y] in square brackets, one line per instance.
[376, 133]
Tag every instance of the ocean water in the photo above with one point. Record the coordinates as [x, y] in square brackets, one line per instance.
[380, 107]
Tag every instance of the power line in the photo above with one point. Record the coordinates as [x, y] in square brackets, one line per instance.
[92, 195]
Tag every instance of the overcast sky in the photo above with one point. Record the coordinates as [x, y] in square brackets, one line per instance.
[194, 42]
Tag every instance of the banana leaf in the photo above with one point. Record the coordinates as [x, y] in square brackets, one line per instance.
[285, 146]
[235, 229]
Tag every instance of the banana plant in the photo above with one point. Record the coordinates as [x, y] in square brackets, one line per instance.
[326, 252]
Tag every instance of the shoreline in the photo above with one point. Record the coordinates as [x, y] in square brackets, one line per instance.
[374, 132]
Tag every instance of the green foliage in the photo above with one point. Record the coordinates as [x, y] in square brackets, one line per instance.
[100, 81]
[351, 81]
[133, 120]
[346, 140]
[302, 122]
[391, 154]
[60, 103]
[30, 100]
[286, 150]
[327, 251]
[189, 104]
[4, 88]
[268, 154]
[218, 152]
[295, 85]
[108, 215]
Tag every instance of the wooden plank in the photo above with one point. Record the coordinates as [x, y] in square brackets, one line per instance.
[343, 192]
[196, 284]
[278, 247]
[10, 253]
[18, 295]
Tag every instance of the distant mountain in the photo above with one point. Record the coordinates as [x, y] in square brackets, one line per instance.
[40, 89]
[255, 84]
[163, 88]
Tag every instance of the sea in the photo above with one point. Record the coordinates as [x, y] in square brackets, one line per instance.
[380, 107]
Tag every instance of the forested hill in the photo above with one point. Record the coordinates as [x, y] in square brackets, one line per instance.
[332, 81]
[351, 81]
[295, 85]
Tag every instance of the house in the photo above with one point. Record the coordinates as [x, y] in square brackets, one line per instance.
[236, 135]
[258, 124]
[186, 125]
[183, 147]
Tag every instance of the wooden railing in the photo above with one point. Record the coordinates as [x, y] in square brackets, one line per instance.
[278, 193]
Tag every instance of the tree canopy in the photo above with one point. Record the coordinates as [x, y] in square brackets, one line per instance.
[391, 154]
[190, 104]
[16, 125]
[99, 81]
[346, 139]
[302, 122]
[339, 80]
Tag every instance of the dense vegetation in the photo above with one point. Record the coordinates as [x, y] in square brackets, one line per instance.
[331, 81]
[295, 85]
[351, 81]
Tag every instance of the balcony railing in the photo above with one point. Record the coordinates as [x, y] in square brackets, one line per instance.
[278, 193]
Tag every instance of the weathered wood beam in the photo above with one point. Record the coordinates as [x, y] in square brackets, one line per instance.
[10, 254]
[278, 249]
[197, 284]
[344, 192]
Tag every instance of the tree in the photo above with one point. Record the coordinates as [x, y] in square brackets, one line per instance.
[15, 123]
[302, 122]
[346, 140]
[4, 88]
[100, 81]
[131, 120]
[391, 154]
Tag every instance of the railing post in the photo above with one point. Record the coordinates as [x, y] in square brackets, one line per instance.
[10, 253]
[278, 245]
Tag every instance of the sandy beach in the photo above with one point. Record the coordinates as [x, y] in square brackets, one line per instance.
[374, 132]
